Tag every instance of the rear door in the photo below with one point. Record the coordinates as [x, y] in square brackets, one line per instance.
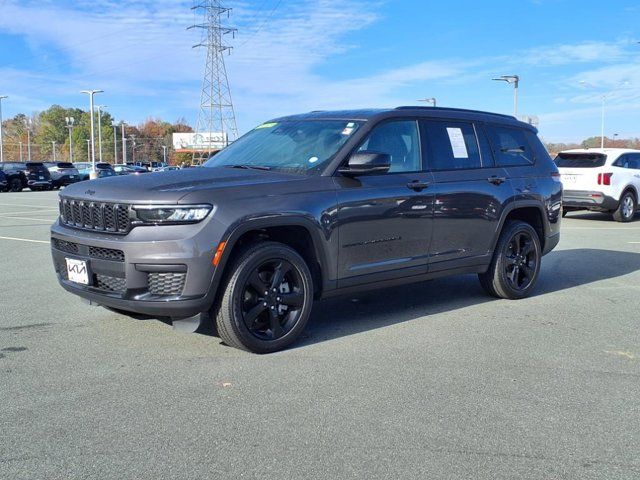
[470, 192]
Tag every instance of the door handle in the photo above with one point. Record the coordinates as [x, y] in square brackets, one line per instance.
[496, 180]
[417, 185]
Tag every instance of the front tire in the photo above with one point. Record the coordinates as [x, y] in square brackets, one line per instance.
[515, 266]
[626, 209]
[267, 299]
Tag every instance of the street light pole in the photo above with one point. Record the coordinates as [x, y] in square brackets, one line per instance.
[515, 80]
[28, 123]
[124, 145]
[164, 153]
[70, 122]
[115, 144]
[431, 100]
[91, 93]
[100, 107]
[53, 144]
[89, 152]
[604, 97]
[133, 149]
[20, 150]
[1, 144]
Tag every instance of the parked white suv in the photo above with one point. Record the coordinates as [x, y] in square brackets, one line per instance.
[601, 179]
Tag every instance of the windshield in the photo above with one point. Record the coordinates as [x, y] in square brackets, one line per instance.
[580, 160]
[301, 146]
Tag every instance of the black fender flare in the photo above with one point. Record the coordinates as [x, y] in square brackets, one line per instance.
[516, 205]
[239, 228]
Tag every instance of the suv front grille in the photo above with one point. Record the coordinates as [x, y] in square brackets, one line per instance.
[97, 216]
[166, 283]
[93, 252]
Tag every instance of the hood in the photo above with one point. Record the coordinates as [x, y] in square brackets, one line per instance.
[170, 187]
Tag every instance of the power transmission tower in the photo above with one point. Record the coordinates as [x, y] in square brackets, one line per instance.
[216, 114]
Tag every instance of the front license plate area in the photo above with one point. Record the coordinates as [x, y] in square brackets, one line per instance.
[77, 271]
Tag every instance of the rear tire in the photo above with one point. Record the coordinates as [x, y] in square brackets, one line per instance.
[515, 266]
[267, 299]
[15, 185]
[626, 210]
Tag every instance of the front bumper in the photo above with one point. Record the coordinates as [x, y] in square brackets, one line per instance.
[164, 271]
[592, 200]
[39, 183]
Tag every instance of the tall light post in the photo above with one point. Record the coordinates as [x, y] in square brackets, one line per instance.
[89, 152]
[2, 97]
[20, 151]
[515, 80]
[91, 93]
[124, 145]
[53, 145]
[133, 149]
[70, 121]
[164, 154]
[100, 107]
[27, 122]
[431, 100]
[115, 144]
[603, 99]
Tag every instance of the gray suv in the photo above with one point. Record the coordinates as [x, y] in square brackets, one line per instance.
[310, 206]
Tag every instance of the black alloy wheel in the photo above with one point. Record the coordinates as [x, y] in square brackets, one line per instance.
[515, 266]
[521, 260]
[272, 299]
[267, 298]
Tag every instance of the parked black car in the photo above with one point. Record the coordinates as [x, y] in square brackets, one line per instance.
[4, 184]
[315, 205]
[62, 173]
[15, 175]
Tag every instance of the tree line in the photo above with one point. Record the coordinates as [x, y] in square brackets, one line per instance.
[51, 129]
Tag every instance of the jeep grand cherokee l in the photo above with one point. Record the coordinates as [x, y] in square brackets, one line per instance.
[601, 180]
[314, 205]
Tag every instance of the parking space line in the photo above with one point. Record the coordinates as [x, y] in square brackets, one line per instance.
[24, 240]
[24, 205]
[30, 211]
[49, 220]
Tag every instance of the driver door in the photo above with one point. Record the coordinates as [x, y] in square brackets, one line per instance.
[385, 219]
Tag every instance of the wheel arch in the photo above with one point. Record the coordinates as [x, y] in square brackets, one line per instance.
[529, 212]
[299, 233]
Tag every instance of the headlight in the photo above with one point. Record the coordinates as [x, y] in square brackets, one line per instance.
[154, 214]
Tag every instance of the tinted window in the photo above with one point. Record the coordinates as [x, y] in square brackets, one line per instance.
[65, 165]
[539, 150]
[400, 140]
[452, 145]
[580, 160]
[510, 146]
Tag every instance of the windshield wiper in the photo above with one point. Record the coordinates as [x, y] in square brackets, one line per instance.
[249, 167]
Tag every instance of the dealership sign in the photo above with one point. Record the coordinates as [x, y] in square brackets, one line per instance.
[200, 141]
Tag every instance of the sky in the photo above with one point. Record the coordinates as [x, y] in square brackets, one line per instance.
[293, 56]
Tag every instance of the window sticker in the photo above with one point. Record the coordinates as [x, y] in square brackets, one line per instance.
[267, 125]
[348, 130]
[313, 159]
[457, 143]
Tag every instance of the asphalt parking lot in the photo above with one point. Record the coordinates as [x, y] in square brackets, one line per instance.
[433, 380]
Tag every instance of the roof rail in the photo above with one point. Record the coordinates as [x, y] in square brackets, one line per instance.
[449, 109]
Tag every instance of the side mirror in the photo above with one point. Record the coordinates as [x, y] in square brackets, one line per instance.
[366, 163]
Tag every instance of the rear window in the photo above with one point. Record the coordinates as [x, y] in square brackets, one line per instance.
[34, 166]
[65, 165]
[510, 146]
[580, 160]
